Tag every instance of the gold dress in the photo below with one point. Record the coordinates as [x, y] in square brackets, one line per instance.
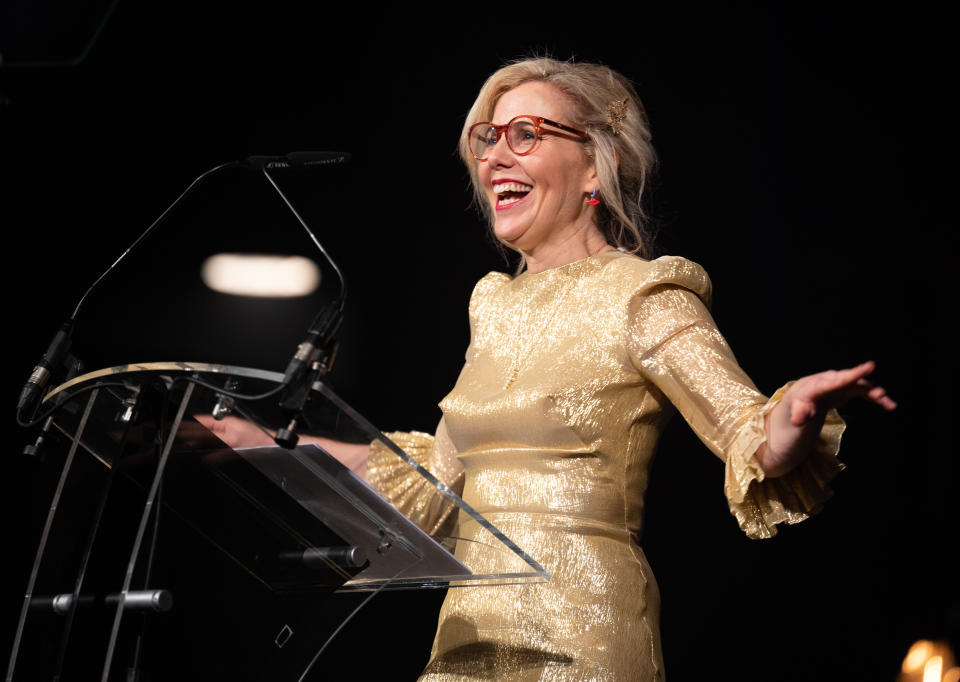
[568, 383]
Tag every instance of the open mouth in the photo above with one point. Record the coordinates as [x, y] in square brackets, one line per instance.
[509, 193]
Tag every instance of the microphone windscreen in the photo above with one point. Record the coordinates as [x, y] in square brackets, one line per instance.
[317, 158]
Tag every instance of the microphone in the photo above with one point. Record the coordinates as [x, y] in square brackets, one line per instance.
[297, 160]
[48, 363]
[321, 331]
[61, 342]
[314, 358]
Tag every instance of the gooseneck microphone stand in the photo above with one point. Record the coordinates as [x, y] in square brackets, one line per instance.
[315, 355]
[312, 360]
[59, 347]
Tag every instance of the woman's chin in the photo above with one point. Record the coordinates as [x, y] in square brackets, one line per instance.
[510, 234]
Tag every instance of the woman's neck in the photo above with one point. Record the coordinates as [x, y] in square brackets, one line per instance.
[577, 246]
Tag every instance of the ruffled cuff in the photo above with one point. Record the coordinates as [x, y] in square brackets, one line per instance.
[403, 487]
[758, 502]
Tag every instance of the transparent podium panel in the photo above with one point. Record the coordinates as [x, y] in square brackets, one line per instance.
[167, 551]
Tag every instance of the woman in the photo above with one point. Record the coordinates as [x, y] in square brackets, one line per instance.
[569, 378]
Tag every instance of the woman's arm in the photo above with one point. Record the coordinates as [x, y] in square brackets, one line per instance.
[240, 433]
[388, 474]
[675, 344]
[792, 427]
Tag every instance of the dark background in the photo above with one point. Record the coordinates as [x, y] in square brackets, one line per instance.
[806, 154]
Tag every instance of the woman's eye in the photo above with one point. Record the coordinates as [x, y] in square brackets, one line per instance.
[525, 132]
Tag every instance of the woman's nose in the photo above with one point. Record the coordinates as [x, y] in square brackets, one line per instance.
[500, 153]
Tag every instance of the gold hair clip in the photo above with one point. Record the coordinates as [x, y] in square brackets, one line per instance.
[616, 112]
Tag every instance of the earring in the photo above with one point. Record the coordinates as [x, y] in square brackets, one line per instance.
[593, 201]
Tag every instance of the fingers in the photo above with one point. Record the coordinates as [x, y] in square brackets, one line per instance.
[842, 378]
[826, 385]
[862, 388]
[210, 424]
[879, 395]
[207, 421]
[835, 387]
[225, 428]
[802, 411]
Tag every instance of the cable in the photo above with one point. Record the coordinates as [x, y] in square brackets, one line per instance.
[346, 620]
[232, 394]
[67, 398]
[101, 384]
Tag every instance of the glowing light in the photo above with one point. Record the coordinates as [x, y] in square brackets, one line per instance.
[917, 656]
[932, 669]
[246, 274]
[952, 675]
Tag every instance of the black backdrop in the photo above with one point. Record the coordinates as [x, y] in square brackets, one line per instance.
[804, 162]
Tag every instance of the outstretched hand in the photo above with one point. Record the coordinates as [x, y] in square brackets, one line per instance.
[810, 397]
[794, 424]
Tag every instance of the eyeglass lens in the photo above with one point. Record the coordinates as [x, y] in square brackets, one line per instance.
[521, 136]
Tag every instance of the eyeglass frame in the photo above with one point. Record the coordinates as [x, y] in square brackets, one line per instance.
[537, 122]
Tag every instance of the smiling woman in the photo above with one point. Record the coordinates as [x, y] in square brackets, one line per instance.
[587, 106]
[547, 219]
[573, 369]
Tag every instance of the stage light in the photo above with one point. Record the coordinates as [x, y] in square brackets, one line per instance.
[247, 274]
[917, 656]
[933, 669]
[928, 661]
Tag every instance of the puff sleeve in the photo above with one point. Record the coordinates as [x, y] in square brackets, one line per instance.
[675, 344]
[407, 491]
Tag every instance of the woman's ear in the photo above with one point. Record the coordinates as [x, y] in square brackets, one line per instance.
[591, 178]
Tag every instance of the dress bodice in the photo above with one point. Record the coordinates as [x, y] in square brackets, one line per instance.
[550, 430]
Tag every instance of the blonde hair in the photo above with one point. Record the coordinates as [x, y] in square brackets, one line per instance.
[624, 159]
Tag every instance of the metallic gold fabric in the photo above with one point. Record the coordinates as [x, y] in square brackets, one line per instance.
[568, 382]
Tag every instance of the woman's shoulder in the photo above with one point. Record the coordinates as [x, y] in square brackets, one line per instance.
[639, 276]
[625, 272]
[486, 288]
[490, 283]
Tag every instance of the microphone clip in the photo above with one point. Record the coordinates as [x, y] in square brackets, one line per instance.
[50, 363]
[313, 360]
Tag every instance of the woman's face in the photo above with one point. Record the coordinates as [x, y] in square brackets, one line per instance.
[539, 200]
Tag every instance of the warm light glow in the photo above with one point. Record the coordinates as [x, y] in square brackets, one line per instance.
[926, 662]
[933, 669]
[247, 274]
[917, 656]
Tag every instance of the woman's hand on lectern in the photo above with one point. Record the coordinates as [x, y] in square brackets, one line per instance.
[240, 433]
[235, 432]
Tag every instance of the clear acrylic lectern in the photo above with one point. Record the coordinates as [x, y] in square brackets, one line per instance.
[166, 552]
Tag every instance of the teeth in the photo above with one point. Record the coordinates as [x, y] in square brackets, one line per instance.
[502, 187]
[506, 201]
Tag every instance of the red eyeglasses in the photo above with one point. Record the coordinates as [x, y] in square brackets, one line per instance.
[523, 133]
